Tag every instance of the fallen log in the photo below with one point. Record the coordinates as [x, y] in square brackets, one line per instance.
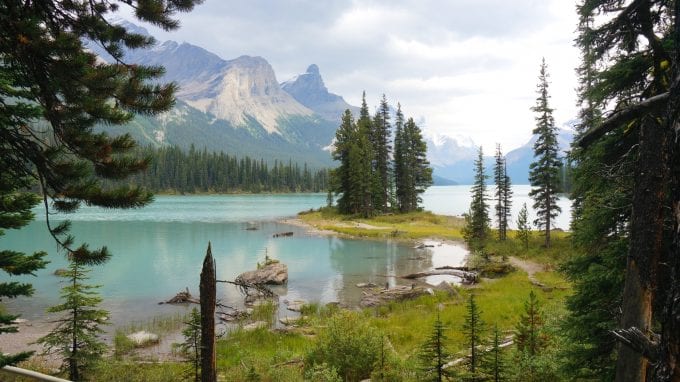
[469, 277]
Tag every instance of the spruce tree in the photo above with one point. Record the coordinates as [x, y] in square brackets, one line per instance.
[15, 212]
[191, 347]
[473, 329]
[495, 365]
[544, 173]
[380, 133]
[344, 137]
[529, 332]
[76, 337]
[433, 354]
[523, 227]
[502, 194]
[476, 231]
[400, 174]
[417, 170]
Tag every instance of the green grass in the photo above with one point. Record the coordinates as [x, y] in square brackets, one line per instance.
[410, 226]
[559, 251]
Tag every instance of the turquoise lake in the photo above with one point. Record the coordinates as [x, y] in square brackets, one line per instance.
[158, 250]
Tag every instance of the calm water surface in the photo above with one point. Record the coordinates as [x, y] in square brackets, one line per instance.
[158, 250]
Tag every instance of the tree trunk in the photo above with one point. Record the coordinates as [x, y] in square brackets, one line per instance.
[208, 300]
[668, 366]
[646, 244]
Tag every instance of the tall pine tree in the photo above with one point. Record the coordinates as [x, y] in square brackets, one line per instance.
[473, 328]
[477, 227]
[434, 355]
[400, 175]
[381, 130]
[502, 193]
[544, 173]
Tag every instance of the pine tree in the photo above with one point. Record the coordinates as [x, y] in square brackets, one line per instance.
[523, 228]
[476, 231]
[380, 133]
[503, 193]
[495, 365]
[400, 175]
[344, 137]
[15, 210]
[529, 337]
[76, 337]
[433, 355]
[191, 347]
[473, 329]
[544, 173]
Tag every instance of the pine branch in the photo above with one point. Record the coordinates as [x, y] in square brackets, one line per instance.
[622, 116]
[635, 339]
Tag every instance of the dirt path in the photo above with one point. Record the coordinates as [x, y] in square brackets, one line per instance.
[527, 266]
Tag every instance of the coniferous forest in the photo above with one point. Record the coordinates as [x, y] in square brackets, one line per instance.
[172, 169]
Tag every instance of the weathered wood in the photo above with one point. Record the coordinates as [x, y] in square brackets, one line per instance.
[471, 277]
[283, 234]
[183, 297]
[639, 342]
[208, 300]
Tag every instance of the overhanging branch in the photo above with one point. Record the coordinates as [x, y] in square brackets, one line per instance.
[635, 339]
[623, 116]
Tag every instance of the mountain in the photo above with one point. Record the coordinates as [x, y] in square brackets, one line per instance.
[309, 89]
[453, 158]
[233, 105]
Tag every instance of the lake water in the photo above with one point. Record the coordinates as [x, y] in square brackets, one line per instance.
[158, 250]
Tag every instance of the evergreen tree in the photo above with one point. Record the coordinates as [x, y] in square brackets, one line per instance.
[341, 175]
[495, 365]
[433, 355]
[15, 212]
[523, 228]
[416, 170]
[503, 193]
[76, 337]
[628, 66]
[476, 231]
[473, 329]
[380, 132]
[544, 173]
[400, 175]
[191, 347]
[53, 92]
[529, 337]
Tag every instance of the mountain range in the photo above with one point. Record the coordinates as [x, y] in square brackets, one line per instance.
[238, 106]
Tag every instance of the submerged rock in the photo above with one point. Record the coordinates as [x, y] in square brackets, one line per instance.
[273, 274]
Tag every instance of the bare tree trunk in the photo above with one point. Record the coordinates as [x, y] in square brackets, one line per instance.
[208, 300]
[646, 244]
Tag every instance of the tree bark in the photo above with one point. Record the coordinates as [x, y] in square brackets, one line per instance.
[646, 244]
[208, 300]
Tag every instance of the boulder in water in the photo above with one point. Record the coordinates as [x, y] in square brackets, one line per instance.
[272, 274]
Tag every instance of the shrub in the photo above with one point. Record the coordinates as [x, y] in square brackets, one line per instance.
[347, 344]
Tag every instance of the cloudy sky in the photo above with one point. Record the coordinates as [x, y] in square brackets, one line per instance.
[464, 68]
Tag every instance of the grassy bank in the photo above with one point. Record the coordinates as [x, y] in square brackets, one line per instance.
[410, 226]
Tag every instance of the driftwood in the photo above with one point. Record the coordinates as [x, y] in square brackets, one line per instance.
[464, 268]
[467, 277]
[283, 234]
[183, 297]
[379, 296]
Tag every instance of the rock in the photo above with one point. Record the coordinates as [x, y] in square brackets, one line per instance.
[255, 325]
[143, 338]
[447, 287]
[273, 274]
[182, 298]
[61, 272]
[19, 321]
[295, 305]
[366, 285]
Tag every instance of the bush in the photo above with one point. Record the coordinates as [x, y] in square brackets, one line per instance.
[322, 373]
[347, 344]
